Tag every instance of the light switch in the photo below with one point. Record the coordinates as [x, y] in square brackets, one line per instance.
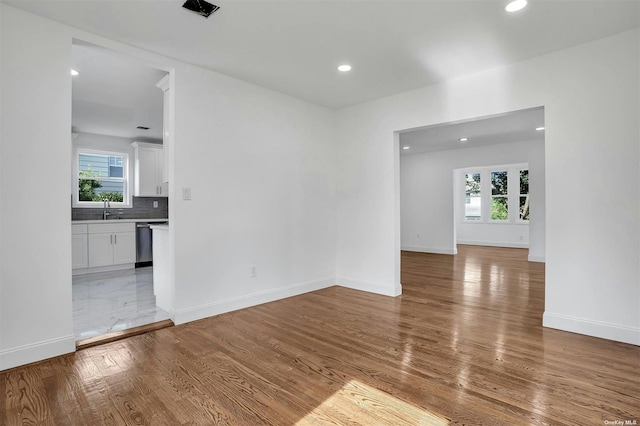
[186, 193]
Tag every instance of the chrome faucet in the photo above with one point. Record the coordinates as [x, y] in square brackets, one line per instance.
[107, 209]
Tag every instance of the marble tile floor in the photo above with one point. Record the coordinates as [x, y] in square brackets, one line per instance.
[114, 301]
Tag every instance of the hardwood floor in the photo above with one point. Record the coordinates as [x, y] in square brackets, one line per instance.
[463, 342]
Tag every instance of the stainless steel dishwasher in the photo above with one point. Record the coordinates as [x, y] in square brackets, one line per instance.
[144, 245]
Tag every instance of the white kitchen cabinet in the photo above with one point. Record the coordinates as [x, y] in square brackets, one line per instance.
[124, 248]
[79, 249]
[100, 250]
[167, 124]
[149, 170]
[111, 244]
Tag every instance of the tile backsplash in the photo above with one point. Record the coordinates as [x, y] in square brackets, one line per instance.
[142, 209]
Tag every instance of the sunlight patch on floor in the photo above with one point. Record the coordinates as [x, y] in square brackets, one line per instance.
[363, 404]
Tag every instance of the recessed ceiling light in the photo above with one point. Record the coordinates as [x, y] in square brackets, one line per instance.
[406, 147]
[539, 128]
[74, 72]
[516, 5]
[463, 139]
[344, 68]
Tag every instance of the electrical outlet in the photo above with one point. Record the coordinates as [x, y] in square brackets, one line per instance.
[155, 204]
[254, 271]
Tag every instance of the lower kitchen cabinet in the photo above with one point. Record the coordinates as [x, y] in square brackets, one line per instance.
[124, 247]
[111, 244]
[79, 249]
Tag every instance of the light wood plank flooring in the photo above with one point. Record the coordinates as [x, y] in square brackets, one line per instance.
[464, 342]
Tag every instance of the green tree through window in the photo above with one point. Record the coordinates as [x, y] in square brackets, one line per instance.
[499, 195]
[524, 195]
[101, 177]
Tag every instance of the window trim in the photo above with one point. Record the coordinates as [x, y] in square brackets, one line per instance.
[126, 196]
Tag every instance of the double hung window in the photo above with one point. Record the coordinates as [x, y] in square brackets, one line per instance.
[473, 197]
[500, 195]
[524, 194]
[101, 176]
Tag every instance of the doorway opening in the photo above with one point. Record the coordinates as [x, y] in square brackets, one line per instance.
[475, 182]
[118, 189]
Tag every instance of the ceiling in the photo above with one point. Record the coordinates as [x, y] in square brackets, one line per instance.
[517, 126]
[294, 46]
[114, 93]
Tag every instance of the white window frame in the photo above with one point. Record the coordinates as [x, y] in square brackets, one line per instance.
[513, 193]
[126, 196]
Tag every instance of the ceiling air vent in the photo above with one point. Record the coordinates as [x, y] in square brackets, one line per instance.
[200, 7]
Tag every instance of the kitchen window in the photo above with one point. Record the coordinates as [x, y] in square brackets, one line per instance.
[101, 176]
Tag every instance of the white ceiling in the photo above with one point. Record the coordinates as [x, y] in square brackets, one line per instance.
[294, 46]
[114, 93]
[517, 126]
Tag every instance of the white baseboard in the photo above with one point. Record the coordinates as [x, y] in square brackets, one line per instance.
[21, 355]
[182, 316]
[429, 250]
[533, 258]
[493, 244]
[603, 330]
[384, 290]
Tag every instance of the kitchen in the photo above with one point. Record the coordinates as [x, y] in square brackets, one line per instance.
[119, 192]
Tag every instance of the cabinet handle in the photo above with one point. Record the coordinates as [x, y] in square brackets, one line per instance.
[160, 190]
[115, 239]
[111, 239]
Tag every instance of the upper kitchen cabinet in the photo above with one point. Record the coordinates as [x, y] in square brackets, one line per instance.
[167, 124]
[149, 170]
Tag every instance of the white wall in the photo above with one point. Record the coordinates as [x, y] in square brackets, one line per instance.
[592, 132]
[261, 166]
[428, 206]
[35, 141]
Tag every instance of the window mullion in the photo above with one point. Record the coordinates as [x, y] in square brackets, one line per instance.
[485, 184]
[513, 180]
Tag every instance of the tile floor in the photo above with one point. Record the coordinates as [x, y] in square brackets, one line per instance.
[113, 301]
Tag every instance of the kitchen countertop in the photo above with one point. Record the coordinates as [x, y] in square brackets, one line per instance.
[83, 222]
[160, 227]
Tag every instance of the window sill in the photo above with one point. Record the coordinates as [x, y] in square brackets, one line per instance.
[493, 222]
[100, 205]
